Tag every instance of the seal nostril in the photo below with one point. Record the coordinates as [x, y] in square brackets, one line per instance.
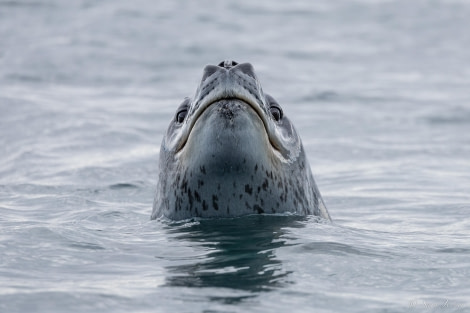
[227, 64]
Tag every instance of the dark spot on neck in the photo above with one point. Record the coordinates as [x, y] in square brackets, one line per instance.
[265, 184]
[248, 189]
[258, 209]
[214, 202]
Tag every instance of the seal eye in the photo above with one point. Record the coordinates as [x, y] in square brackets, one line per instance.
[182, 111]
[181, 115]
[276, 112]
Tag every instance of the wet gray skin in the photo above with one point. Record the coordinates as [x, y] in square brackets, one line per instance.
[231, 151]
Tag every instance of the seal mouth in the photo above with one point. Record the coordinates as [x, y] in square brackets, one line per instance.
[253, 106]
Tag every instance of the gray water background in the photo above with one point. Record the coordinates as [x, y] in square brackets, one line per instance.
[378, 90]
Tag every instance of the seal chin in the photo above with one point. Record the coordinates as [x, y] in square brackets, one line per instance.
[228, 130]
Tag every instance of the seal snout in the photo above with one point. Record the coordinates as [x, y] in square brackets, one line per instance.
[228, 66]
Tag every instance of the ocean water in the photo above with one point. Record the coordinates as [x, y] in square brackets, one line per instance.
[378, 90]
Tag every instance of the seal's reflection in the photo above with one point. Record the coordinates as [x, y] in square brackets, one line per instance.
[242, 253]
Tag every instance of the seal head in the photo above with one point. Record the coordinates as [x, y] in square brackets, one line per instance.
[231, 151]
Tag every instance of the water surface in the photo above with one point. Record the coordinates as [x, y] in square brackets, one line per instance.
[378, 91]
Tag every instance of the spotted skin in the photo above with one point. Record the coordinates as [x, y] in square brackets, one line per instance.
[231, 152]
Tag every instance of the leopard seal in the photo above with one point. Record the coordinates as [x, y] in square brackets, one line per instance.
[231, 151]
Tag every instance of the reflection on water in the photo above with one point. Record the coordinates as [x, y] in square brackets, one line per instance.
[241, 253]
